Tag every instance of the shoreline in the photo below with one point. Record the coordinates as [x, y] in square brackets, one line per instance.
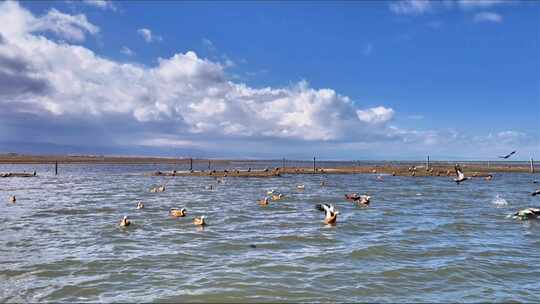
[402, 170]
[398, 168]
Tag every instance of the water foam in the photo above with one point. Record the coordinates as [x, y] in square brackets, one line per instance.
[499, 201]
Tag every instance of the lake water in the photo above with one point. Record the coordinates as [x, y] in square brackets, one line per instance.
[421, 240]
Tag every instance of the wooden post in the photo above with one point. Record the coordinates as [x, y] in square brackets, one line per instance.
[532, 165]
[208, 164]
[190, 164]
[56, 168]
[427, 163]
[314, 164]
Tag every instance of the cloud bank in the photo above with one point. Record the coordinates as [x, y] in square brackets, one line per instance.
[185, 95]
[55, 90]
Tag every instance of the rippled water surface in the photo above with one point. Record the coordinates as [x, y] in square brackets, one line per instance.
[422, 239]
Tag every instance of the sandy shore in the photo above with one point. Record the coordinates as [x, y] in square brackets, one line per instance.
[436, 169]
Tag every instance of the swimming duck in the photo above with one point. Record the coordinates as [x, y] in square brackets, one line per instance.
[210, 187]
[270, 192]
[125, 222]
[352, 196]
[301, 187]
[177, 212]
[527, 214]
[330, 214]
[263, 202]
[140, 205]
[363, 199]
[489, 177]
[277, 197]
[199, 221]
[357, 198]
[12, 199]
[380, 178]
[158, 189]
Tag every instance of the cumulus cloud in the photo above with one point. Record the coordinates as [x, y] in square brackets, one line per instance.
[148, 36]
[102, 4]
[488, 17]
[71, 27]
[17, 22]
[375, 115]
[182, 99]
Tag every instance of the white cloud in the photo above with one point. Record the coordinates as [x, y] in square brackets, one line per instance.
[410, 7]
[183, 96]
[488, 17]
[72, 27]
[16, 22]
[510, 134]
[208, 44]
[473, 4]
[420, 7]
[148, 36]
[375, 115]
[127, 51]
[102, 4]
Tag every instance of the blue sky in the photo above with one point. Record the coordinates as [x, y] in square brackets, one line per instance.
[350, 80]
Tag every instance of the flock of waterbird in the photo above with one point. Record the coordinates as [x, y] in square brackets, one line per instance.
[331, 214]
[330, 211]
[174, 212]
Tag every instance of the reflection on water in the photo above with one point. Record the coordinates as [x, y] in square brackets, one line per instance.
[421, 239]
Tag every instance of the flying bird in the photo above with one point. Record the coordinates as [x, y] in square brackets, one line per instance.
[460, 176]
[330, 214]
[527, 214]
[508, 155]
